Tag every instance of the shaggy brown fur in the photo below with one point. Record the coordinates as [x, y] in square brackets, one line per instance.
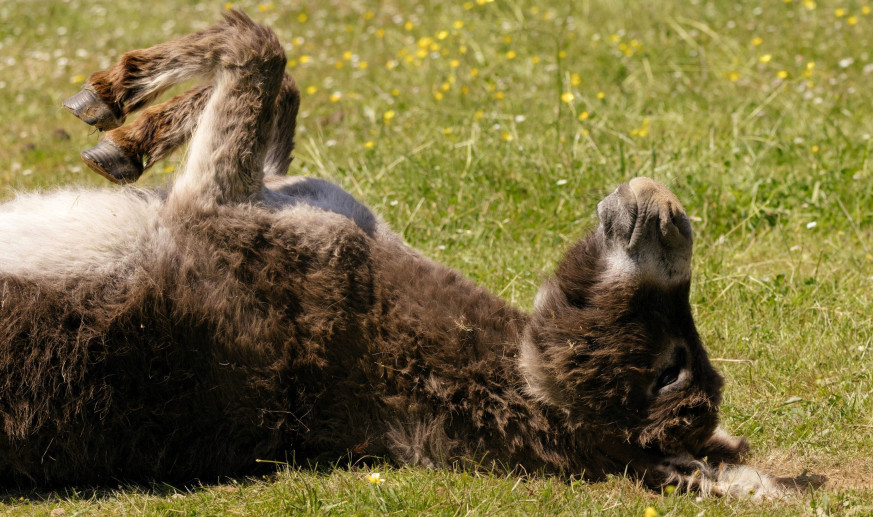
[288, 322]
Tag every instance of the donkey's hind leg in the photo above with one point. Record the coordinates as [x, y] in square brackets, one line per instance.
[126, 152]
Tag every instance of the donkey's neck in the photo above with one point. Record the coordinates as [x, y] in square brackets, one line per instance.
[457, 347]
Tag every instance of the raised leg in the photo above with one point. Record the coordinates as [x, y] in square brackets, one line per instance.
[232, 122]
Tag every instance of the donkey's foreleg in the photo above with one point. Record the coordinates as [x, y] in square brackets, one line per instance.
[228, 149]
[140, 76]
[284, 125]
[125, 152]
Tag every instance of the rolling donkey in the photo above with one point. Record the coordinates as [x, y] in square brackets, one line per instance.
[244, 315]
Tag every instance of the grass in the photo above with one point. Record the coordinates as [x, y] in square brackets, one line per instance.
[486, 132]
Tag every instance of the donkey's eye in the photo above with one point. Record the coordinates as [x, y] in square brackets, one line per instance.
[668, 377]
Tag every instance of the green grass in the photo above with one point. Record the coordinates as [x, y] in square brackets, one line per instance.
[759, 117]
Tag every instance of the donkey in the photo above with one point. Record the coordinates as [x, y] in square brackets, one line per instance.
[243, 315]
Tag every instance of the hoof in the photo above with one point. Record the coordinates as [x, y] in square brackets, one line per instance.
[92, 110]
[112, 163]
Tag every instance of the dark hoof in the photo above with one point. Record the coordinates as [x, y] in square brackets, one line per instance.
[112, 163]
[92, 110]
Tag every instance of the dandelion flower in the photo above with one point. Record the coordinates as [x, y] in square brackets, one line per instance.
[438, 96]
[454, 63]
[388, 115]
[601, 95]
[304, 59]
[583, 116]
[535, 59]
[363, 65]
[511, 54]
[575, 80]
[506, 136]
[375, 478]
[447, 131]
[458, 24]
[302, 17]
[76, 79]
[169, 168]
[380, 33]
[839, 13]
[782, 74]
[499, 96]
[852, 20]
[311, 89]
[567, 97]
[395, 92]
[479, 114]
[441, 35]
[369, 144]
[335, 96]
[734, 76]
[865, 9]
[474, 72]
[369, 15]
[814, 149]
[809, 4]
[228, 5]
[562, 54]
[409, 26]
[765, 58]
[650, 512]
[757, 41]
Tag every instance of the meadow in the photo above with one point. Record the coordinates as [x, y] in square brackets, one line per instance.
[485, 132]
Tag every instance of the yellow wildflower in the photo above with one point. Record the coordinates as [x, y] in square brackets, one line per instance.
[734, 76]
[840, 12]
[369, 144]
[228, 5]
[458, 24]
[438, 96]
[388, 115]
[651, 512]
[865, 9]
[852, 20]
[77, 79]
[380, 33]
[266, 7]
[302, 17]
[583, 116]
[562, 54]
[506, 136]
[441, 35]
[765, 58]
[335, 96]
[782, 74]
[375, 478]
[395, 92]
[814, 149]
[757, 41]
[575, 79]
[809, 4]
[601, 95]
[535, 59]
[409, 26]
[447, 131]
[511, 54]
[311, 89]
[169, 168]
[499, 95]
[454, 63]
[363, 65]
[567, 97]
[304, 59]
[474, 72]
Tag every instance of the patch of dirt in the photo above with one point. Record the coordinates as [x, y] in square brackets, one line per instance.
[842, 473]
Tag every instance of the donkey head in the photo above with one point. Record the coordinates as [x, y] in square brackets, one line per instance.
[612, 342]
